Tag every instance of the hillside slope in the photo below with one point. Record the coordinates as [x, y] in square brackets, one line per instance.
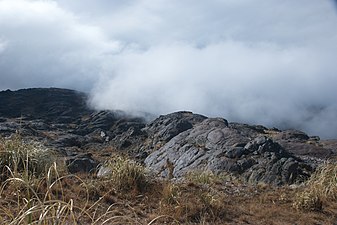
[61, 119]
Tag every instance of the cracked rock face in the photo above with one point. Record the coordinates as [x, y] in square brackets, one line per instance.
[213, 145]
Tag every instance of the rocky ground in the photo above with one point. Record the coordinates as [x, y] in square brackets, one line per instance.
[62, 120]
[170, 145]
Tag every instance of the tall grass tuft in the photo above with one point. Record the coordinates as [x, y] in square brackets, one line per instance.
[126, 174]
[22, 157]
[38, 200]
[207, 177]
[321, 187]
[31, 184]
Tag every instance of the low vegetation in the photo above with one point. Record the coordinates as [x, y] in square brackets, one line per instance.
[208, 177]
[19, 157]
[320, 190]
[37, 189]
[126, 174]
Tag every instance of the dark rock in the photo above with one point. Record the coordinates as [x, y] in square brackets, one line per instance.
[306, 148]
[263, 144]
[70, 140]
[141, 156]
[39, 125]
[120, 130]
[228, 165]
[166, 127]
[248, 130]
[290, 170]
[81, 163]
[132, 126]
[8, 128]
[246, 163]
[102, 120]
[235, 152]
[125, 144]
[129, 140]
[293, 134]
[315, 138]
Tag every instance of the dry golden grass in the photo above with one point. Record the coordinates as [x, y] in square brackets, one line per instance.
[207, 177]
[125, 174]
[320, 189]
[187, 203]
[21, 157]
[35, 200]
[129, 196]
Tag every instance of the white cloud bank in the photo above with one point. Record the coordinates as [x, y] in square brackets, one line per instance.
[47, 46]
[256, 61]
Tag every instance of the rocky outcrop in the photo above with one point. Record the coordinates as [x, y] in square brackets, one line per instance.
[61, 120]
[213, 145]
[300, 144]
[165, 127]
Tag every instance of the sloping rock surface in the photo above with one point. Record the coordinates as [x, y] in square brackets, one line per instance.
[213, 145]
[61, 119]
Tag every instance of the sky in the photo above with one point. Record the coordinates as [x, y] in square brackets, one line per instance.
[266, 62]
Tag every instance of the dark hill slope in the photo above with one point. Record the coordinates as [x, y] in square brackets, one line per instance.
[52, 104]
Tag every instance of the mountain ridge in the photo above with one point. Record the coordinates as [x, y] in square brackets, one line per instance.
[62, 119]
